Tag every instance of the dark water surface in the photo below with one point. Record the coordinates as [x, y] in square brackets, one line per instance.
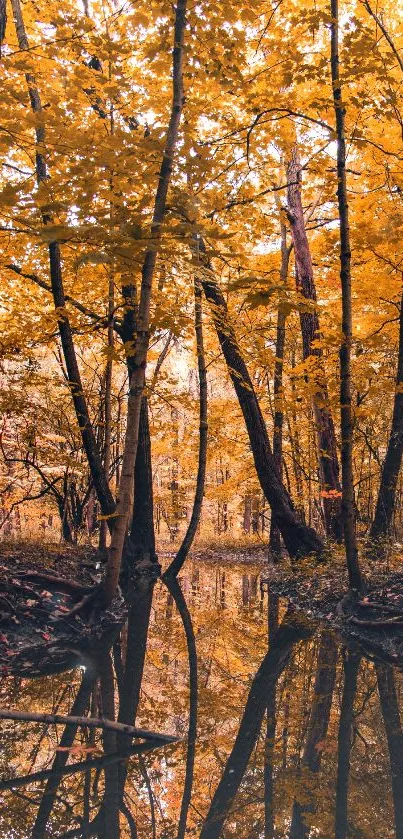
[296, 734]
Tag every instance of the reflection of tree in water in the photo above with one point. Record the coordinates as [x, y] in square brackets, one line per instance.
[326, 746]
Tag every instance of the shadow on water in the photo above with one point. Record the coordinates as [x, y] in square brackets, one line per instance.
[250, 722]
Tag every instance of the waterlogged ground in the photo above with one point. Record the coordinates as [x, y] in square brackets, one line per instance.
[274, 729]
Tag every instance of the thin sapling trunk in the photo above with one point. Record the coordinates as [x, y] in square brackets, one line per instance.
[346, 410]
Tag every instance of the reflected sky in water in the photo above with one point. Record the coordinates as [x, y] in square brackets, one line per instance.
[283, 732]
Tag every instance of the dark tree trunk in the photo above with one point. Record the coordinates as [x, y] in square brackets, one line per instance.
[67, 532]
[289, 633]
[299, 539]
[310, 329]
[275, 537]
[108, 404]
[74, 379]
[318, 724]
[385, 506]
[101, 484]
[394, 735]
[346, 411]
[351, 668]
[177, 563]
[142, 537]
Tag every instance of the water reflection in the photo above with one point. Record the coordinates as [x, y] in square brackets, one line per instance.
[284, 731]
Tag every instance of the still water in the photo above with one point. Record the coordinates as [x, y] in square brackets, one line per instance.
[283, 733]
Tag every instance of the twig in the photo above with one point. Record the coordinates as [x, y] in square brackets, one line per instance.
[382, 624]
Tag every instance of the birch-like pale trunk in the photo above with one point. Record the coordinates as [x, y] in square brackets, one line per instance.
[137, 381]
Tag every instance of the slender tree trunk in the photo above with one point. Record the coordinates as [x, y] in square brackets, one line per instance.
[125, 494]
[318, 724]
[275, 536]
[385, 505]
[299, 539]
[310, 329]
[178, 562]
[351, 668]
[140, 556]
[346, 410]
[80, 404]
[108, 402]
[142, 536]
[292, 630]
[394, 735]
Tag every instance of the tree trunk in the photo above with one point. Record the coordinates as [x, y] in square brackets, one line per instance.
[347, 419]
[80, 404]
[351, 668]
[108, 403]
[275, 537]
[137, 380]
[142, 537]
[299, 539]
[385, 506]
[310, 329]
[177, 563]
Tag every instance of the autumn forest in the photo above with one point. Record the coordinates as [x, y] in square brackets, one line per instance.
[201, 419]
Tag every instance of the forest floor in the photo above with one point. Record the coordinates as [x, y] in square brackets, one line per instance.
[373, 618]
[33, 611]
[41, 586]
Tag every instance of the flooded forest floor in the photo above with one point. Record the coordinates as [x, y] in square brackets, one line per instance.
[32, 611]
